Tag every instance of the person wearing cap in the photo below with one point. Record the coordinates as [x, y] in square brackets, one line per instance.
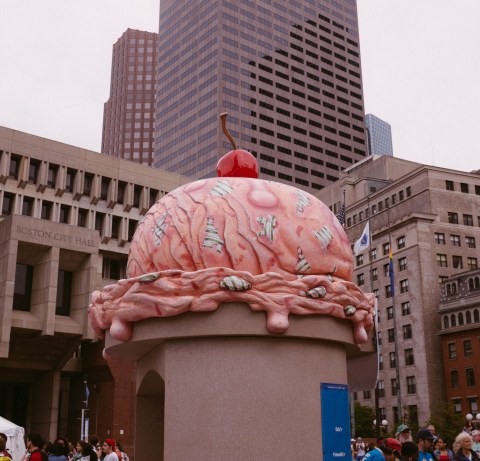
[425, 443]
[403, 434]
[108, 448]
[395, 445]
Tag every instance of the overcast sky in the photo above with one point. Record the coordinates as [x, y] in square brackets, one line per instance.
[420, 61]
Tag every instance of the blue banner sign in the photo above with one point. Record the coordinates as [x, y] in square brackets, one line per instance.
[335, 422]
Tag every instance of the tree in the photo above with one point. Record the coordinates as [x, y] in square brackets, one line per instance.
[364, 417]
[448, 423]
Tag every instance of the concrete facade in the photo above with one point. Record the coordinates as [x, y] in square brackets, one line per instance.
[288, 74]
[129, 113]
[421, 212]
[67, 216]
[217, 385]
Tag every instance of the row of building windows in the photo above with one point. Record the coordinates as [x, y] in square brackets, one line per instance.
[457, 261]
[455, 240]
[453, 320]
[464, 187]
[411, 415]
[411, 383]
[380, 206]
[401, 242]
[473, 284]
[68, 183]
[452, 218]
[409, 359]
[469, 378]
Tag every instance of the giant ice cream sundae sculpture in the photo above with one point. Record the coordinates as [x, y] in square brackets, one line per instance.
[235, 238]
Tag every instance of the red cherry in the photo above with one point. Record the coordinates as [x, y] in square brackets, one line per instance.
[238, 163]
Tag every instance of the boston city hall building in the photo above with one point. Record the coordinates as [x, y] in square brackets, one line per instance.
[67, 216]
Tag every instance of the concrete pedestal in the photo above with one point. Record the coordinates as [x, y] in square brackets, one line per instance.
[218, 386]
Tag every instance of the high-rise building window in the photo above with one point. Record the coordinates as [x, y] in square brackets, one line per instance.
[472, 263]
[380, 362]
[406, 308]
[114, 268]
[388, 291]
[439, 238]
[470, 242]
[381, 388]
[391, 335]
[360, 280]
[394, 386]
[82, 217]
[407, 331]
[374, 274]
[27, 206]
[87, 184]
[470, 375]
[457, 405]
[7, 205]
[367, 395]
[386, 248]
[411, 385]
[46, 212]
[467, 348]
[442, 260]
[64, 292]
[359, 260]
[402, 264]
[64, 213]
[464, 187]
[70, 179]
[401, 242]
[452, 350]
[14, 166]
[455, 240]
[33, 170]
[449, 185]
[454, 381]
[393, 362]
[404, 286]
[457, 262]
[452, 217]
[389, 312]
[468, 220]
[22, 290]
[409, 357]
[52, 175]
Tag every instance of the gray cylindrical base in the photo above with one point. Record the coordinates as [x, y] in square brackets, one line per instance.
[241, 398]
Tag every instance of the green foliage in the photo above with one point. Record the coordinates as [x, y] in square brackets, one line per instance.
[364, 417]
[448, 424]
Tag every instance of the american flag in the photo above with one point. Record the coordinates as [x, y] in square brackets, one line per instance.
[341, 215]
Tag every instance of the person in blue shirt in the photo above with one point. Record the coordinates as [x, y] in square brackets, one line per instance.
[425, 441]
[381, 453]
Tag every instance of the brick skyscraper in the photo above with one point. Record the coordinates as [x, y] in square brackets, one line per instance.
[287, 72]
[129, 113]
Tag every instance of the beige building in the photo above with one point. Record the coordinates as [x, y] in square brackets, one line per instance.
[67, 216]
[430, 218]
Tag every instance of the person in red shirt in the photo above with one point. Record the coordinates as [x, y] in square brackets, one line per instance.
[35, 445]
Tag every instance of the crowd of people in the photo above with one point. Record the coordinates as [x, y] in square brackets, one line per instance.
[426, 446]
[64, 450]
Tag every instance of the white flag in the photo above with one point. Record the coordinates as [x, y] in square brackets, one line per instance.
[364, 241]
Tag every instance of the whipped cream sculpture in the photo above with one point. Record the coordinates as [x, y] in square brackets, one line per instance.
[236, 238]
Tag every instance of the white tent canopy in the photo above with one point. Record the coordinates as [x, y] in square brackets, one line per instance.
[15, 438]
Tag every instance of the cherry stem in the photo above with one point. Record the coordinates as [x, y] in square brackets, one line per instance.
[223, 119]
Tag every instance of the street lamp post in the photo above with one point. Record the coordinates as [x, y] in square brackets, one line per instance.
[383, 425]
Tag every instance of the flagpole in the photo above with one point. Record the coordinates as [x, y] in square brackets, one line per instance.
[392, 290]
